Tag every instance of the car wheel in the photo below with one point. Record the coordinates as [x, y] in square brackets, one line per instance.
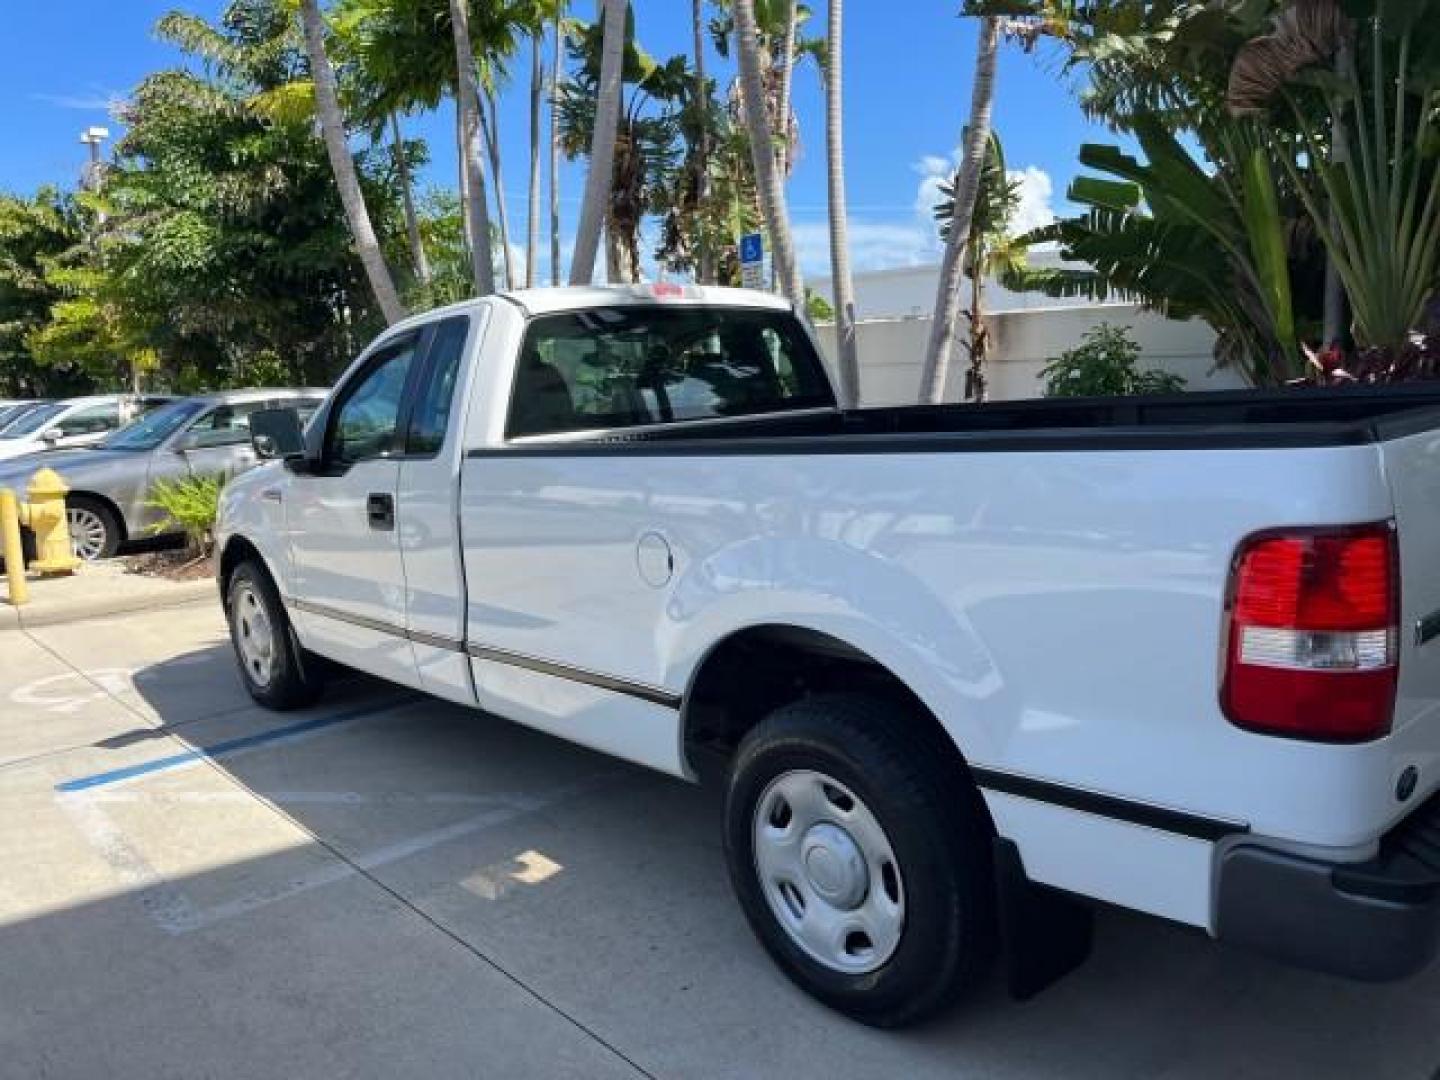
[272, 664]
[861, 864]
[94, 528]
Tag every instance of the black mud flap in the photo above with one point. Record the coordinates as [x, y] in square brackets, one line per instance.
[1044, 933]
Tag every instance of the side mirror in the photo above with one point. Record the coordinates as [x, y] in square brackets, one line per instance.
[189, 441]
[51, 436]
[276, 433]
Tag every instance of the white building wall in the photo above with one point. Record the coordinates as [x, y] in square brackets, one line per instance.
[909, 291]
[1028, 330]
[893, 350]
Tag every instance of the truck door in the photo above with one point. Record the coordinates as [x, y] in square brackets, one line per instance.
[427, 512]
[350, 582]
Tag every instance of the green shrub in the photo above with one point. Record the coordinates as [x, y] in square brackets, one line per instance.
[1104, 364]
[191, 504]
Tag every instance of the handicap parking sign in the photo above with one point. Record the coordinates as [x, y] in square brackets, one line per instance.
[752, 248]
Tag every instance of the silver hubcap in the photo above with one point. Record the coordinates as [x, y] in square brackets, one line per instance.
[254, 636]
[87, 533]
[828, 871]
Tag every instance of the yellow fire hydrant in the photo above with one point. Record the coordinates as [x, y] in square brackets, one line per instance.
[43, 513]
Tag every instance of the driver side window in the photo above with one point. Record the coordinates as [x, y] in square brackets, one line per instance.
[365, 420]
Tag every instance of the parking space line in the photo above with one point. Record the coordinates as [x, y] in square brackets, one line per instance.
[168, 907]
[510, 807]
[225, 747]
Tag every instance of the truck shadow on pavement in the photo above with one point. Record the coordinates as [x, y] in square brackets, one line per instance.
[390, 885]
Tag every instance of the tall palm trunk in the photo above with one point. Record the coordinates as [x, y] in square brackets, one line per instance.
[762, 153]
[555, 277]
[464, 167]
[407, 198]
[332, 127]
[532, 209]
[977, 378]
[784, 157]
[490, 125]
[839, 226]
[952, 269]
[602, 143]
[467, 95]
[704, 257]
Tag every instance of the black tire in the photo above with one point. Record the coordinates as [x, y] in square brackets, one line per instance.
[289, 680]
[936, 827]
[109, 530]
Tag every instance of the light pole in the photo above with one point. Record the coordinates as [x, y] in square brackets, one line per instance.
[93, 137]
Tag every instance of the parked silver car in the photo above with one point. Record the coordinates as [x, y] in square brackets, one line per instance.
[111, 483]
[82, 421]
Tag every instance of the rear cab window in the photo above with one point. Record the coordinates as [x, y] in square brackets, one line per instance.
[633, 365]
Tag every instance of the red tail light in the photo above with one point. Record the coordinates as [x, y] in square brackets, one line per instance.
[1313, 636]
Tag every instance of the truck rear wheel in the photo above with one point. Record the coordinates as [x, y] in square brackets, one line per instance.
[863, 871]
[272, 665]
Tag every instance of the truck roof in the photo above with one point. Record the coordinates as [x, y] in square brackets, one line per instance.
[577, 297]
[548, 301]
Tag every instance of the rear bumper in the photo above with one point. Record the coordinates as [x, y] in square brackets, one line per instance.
[1376, 921]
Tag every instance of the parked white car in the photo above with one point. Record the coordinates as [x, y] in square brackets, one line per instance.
[83, 421]
[956, 667]
[12, 409]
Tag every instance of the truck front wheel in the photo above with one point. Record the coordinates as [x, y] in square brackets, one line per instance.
[272, 665]
[862, 869]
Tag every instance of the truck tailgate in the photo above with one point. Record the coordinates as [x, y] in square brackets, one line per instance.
[1412, 469]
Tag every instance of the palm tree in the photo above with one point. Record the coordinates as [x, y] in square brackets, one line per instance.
[332, 127]
[1372, 195]
[782, 46]
[704, 259]
[786, 75]
[990, 251]
[558, 30]
[532, 207]
[602, 143]
[844, 287]
[477, 218]
[490, 128]
[652, 104]
[767, 175]
[952, 268]
[407, 199]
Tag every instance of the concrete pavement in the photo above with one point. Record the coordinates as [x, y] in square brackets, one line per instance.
[391, 887]
[98, 590]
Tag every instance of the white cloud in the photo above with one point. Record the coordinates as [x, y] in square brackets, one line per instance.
[879, 244]
[1036, 190]
[874, 245]
[103, 101]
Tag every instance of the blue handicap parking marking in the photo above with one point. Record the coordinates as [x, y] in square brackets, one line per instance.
[227, 746]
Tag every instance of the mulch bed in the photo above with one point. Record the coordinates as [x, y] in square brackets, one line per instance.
[177, 565]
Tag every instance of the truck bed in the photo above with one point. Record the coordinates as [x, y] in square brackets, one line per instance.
[1225, 419]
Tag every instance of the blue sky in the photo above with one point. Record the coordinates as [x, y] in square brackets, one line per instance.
[907, 94]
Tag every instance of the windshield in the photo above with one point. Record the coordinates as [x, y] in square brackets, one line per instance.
[38, 419]
[154, 427]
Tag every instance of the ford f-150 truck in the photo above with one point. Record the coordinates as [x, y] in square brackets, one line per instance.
[963, 670]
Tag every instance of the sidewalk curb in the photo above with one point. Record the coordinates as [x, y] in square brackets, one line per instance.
[174, 594]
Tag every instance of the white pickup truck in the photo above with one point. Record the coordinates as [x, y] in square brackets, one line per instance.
[959, 668]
